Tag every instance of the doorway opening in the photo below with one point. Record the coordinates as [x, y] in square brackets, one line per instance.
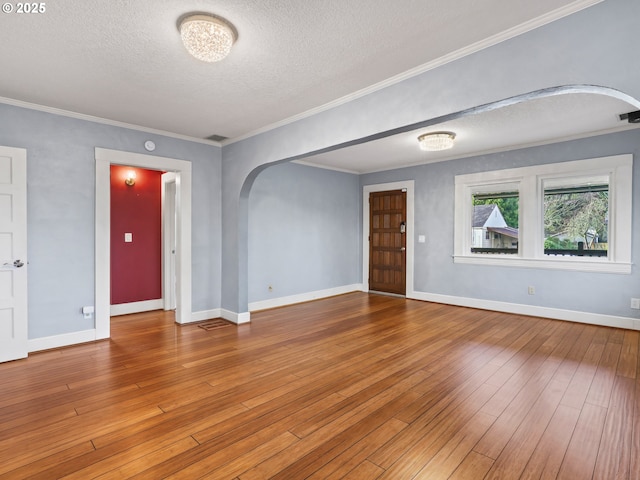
[136, 240]
[182, 264]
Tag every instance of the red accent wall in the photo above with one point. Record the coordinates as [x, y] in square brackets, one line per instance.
[136, 267]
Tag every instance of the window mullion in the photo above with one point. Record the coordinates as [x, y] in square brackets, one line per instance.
[530, 215]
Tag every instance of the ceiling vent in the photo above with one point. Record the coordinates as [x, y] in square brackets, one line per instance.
[631, 117]
[216, 138]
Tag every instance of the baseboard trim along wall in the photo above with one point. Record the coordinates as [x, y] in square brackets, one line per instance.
[136, 307]
[239, 318]
[206, 315]
[234, 317]
[304, 297]
[532, 310]
[64, 340]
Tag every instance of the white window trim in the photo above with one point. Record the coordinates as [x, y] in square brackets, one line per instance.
[529, 181]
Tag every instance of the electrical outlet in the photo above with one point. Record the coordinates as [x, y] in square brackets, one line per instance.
[270, 288]
[532, 290]
[635, 303]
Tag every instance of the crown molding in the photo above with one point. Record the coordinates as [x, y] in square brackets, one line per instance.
[103, 121]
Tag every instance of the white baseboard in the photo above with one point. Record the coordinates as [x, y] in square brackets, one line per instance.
[136, 307]
[64, 340]
[304, 297]
[532, 310]
[206, 315]
[237, 318]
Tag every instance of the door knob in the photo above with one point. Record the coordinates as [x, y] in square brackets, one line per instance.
[18, 263]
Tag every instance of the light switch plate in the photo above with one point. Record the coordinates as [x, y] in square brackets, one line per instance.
[128, 237]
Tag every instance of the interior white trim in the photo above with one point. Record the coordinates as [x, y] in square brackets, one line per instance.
[63, 340]
[326, 167]
[438, 62]
[168, 197]
[381, 187]
[104, 159]
[103, 121]
[529, 181]
[574, 264]
[238, 318]
[532, 310]
[136, 307]
[304, 297]
[206, 315]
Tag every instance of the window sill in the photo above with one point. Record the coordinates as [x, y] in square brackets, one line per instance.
[593, 265]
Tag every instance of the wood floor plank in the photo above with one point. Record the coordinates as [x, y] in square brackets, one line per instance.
[358, 386]
[473, 467]
[432, 440]
[128, 465]
[602, 384]
[325, 443]
[525, 399]
[354, 456]
[519, 449]
[614, 454]
[445, 404]
[545, 461]
[366, 470]
[628, 364]
[452, 454]
[580, 457]
[247, 460]
[578, 388]
[634, 466]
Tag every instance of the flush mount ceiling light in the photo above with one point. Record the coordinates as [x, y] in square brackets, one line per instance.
[206, 37]
[436, 141]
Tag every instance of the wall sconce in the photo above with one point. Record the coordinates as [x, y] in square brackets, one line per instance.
[131, 178]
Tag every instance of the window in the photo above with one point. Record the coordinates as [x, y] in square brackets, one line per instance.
[576, 216]
[495, 214]
[572, 215]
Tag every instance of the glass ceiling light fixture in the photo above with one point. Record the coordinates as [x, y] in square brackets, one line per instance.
[206, 37]
[436, 141]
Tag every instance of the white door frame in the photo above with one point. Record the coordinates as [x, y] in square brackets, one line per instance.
[383, 187]
[104, 159]
[169, 240]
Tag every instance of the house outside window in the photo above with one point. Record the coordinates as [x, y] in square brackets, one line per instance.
[500, 233]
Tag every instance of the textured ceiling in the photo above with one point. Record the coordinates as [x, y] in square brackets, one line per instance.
[122, 60]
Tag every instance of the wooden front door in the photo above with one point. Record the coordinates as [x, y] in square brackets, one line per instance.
[387, 241]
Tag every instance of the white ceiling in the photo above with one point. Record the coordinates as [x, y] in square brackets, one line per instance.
[123, 61]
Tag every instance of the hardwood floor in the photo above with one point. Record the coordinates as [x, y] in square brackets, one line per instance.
[357, 387]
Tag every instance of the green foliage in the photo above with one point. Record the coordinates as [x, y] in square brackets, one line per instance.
[575, 214]
[554, 243]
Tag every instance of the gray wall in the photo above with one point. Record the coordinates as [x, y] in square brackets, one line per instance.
[436, 273]
[61, 211]
[593, 47]
[304, 231]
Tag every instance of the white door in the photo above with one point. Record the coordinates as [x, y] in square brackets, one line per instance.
[13, 253]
